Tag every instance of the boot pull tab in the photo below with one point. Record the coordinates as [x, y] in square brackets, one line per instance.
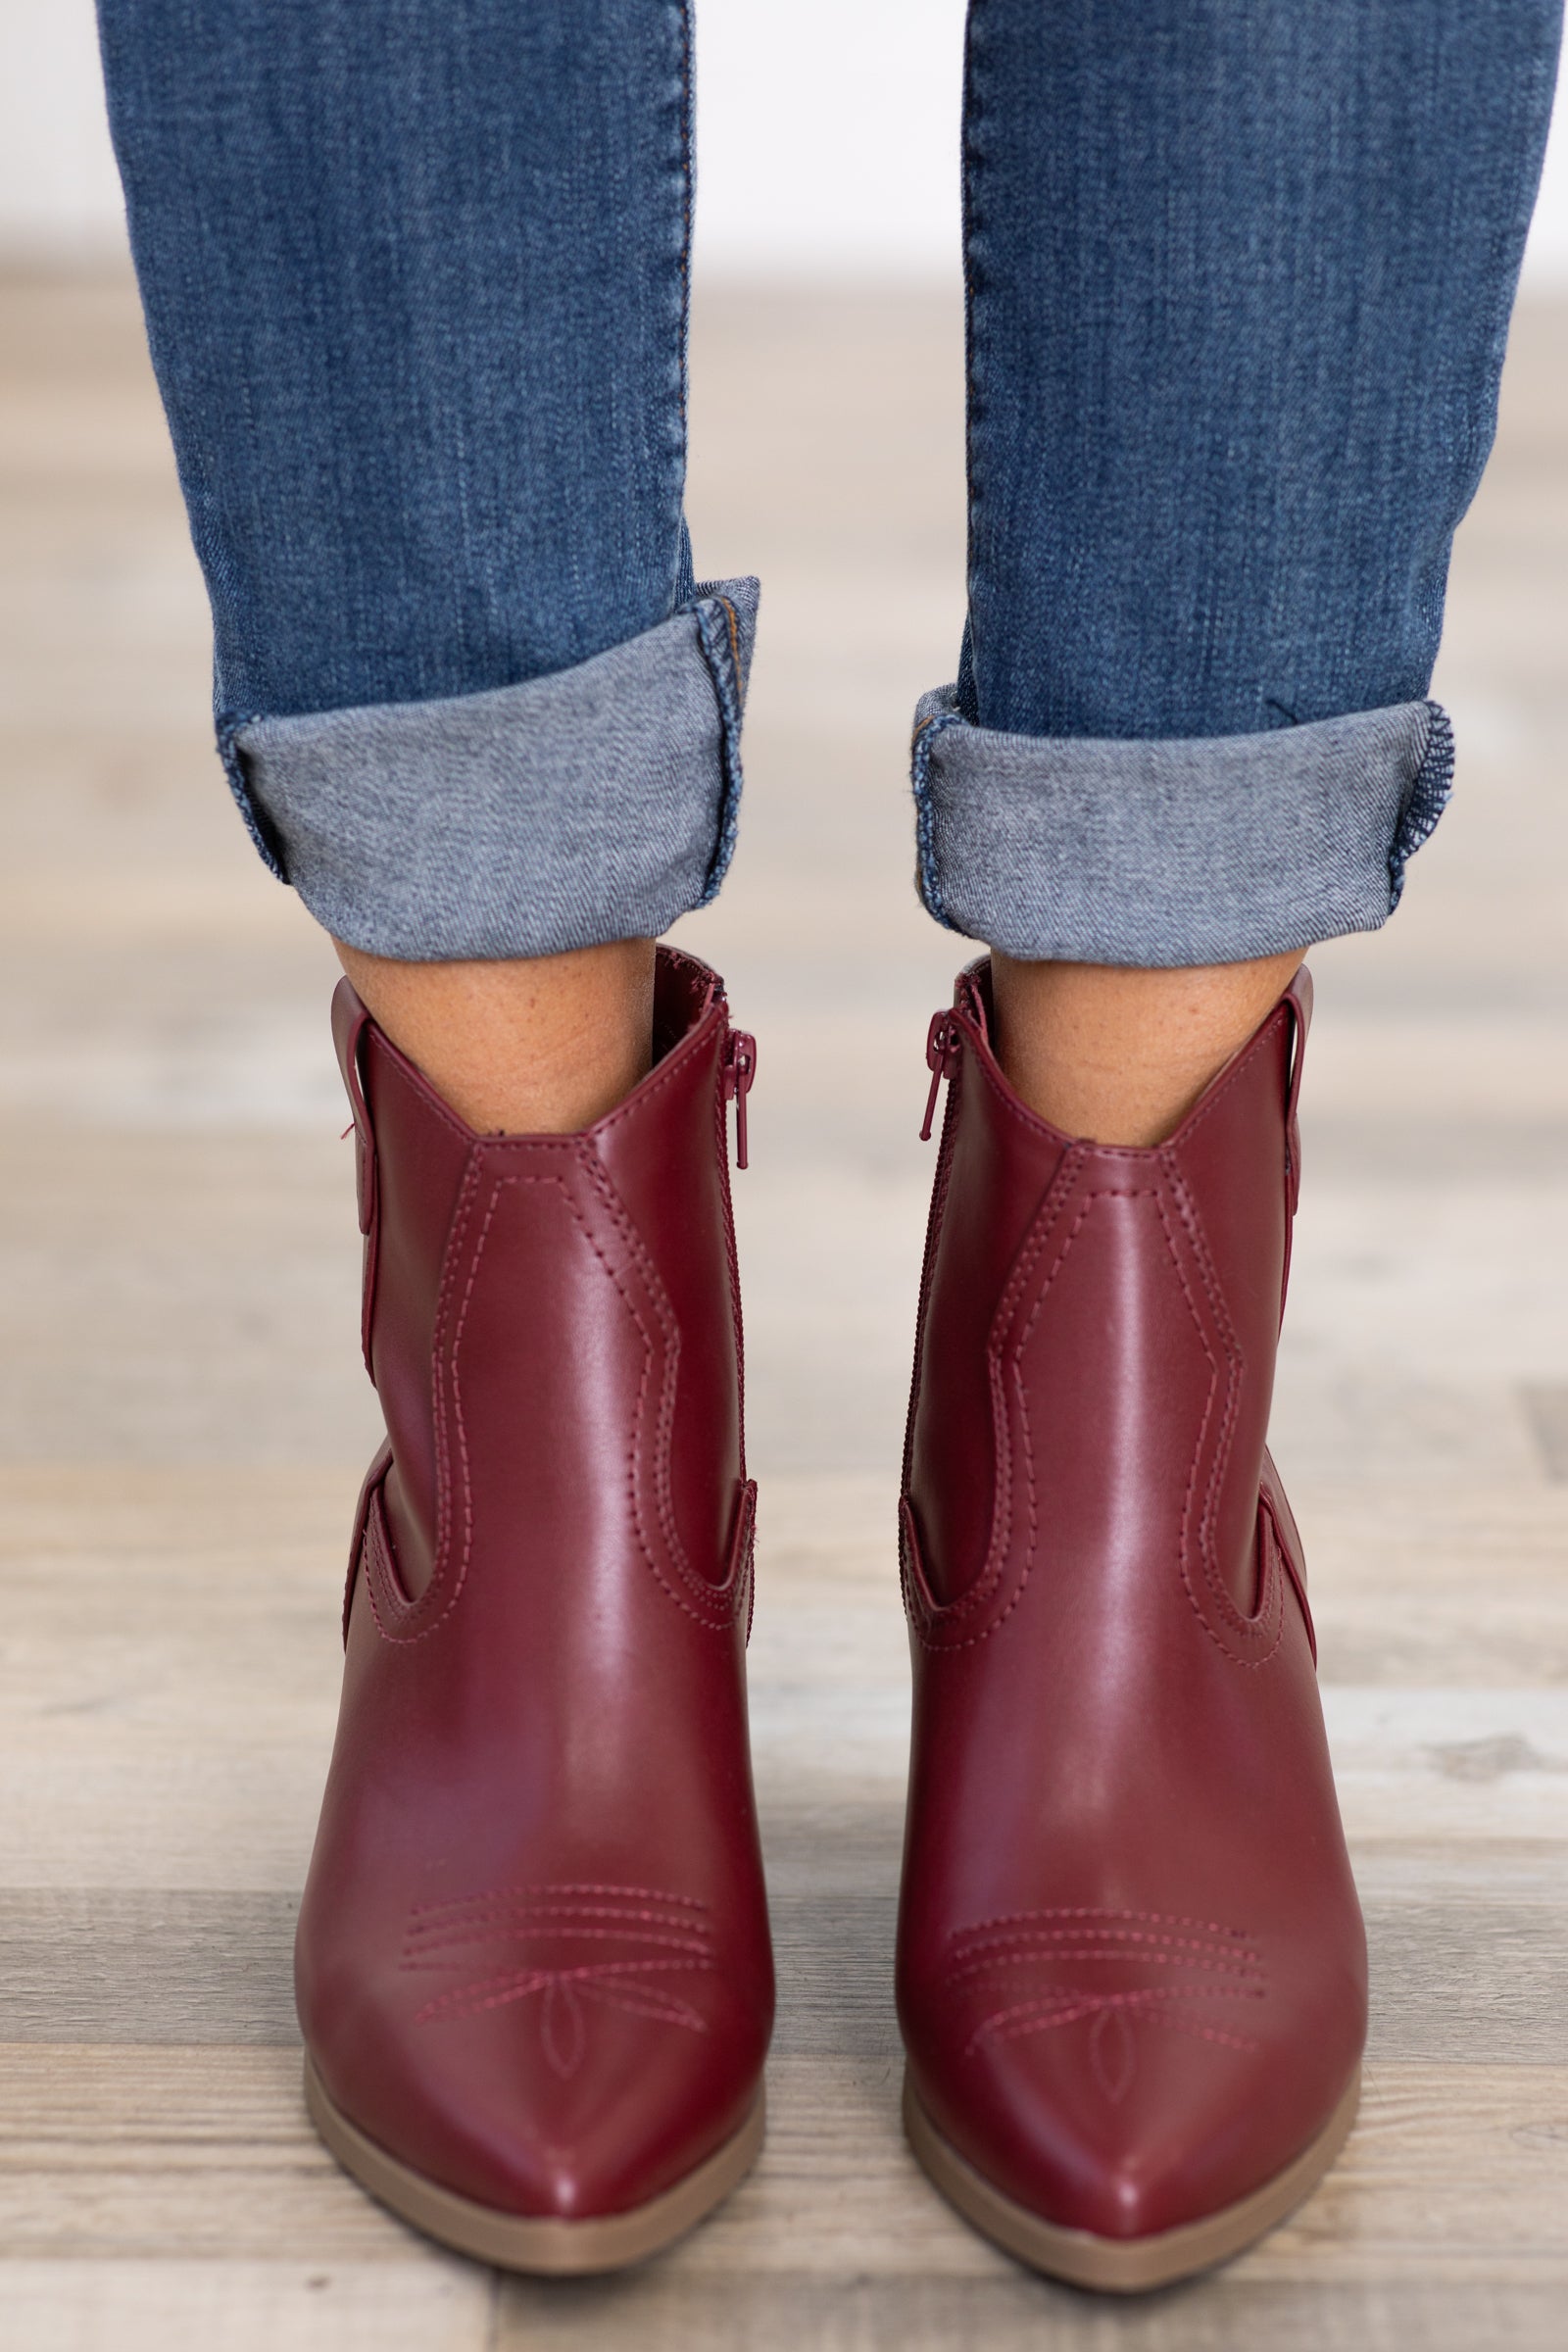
[941, 1060]
[740, 1068]
[1298, 997]
[350, 1021]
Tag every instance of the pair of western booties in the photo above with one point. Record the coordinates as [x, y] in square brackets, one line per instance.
[534, 1971]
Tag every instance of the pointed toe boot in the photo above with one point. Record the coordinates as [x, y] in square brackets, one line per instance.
[1132, 1970]
[533, 1965]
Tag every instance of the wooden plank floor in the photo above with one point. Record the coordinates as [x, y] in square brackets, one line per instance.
[182, 1424]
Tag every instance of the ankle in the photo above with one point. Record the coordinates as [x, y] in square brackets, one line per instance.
[537, 1046]
[1119, 1056]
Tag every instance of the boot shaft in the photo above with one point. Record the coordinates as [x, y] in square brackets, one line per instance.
[553, 1322]
[1125, 1305]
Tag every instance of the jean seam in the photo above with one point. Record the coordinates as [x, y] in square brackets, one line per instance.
[230, 727]
[719, 642]
[687, 174]
[975, 290]
[1428, 796]
[921, 746]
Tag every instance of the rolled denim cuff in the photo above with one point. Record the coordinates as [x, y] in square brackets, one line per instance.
[1205, 851]
[596, 804]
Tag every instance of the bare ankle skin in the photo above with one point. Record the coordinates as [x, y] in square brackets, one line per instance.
[541, 1046]
[1119, 1055]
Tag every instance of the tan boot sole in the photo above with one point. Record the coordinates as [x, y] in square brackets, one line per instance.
[517, 2241]
[1123, 2266]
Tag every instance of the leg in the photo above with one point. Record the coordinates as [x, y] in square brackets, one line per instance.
[1238, 296]
[542, 1044]
[1119, 1053]
[425, 378]
[1239, 281]
[414, 282]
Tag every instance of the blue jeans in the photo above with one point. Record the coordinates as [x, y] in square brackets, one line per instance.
[1239, 280]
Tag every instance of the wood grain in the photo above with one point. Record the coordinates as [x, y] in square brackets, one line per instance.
[183, 1420]
[1454, 2171]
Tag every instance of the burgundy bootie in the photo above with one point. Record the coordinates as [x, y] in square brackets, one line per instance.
[1132, 1971]
[533, 1965]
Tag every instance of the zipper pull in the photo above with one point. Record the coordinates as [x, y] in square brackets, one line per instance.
[740, 1068]
[941, 1060]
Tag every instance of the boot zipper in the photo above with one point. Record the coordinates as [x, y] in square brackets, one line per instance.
[941, 1060]
[740, 1068]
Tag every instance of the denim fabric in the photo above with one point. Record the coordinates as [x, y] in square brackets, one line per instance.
[1239, 283]
[1165, 851]
[1239, 280]
[415, 285]
[526, 810]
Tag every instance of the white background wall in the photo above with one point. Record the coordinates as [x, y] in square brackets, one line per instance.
[828, 138]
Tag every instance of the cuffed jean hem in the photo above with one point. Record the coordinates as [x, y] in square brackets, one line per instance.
[1173, 852]
[596, 804]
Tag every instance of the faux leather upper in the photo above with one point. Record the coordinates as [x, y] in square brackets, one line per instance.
[533, 1958]
[1130, 1961]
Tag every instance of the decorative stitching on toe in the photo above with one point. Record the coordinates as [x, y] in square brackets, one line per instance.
[655, 1935]
[1205, 1963]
